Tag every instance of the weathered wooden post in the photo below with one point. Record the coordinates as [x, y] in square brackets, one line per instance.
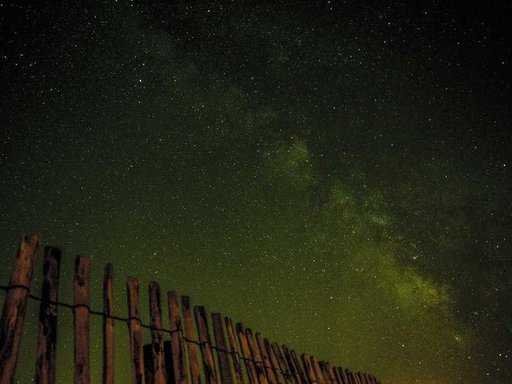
[205, 344]
[339, 379]
[234, 351]
[108, 326]
[265, 358]
[193, 362]
[15, 306]
[157, 336]
[274, 364]
[47, 329]
[246, 353]
[135, 332]
[222, 349]
[179, 361]
[309, 369]
[298, 368]
[256, 356]
[81, 319]
[323, 371]
[350, 377]
[288, 375]
[318, 371]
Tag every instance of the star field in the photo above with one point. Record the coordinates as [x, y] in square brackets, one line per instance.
[333, 174]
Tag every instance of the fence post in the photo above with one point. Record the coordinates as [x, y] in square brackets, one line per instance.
[108, 326]
[298, 368]
[318, 370]
[265, 359]
[157, 336]
[325, 367]
[222, 349]
[343, 375]
[193, 362]
[47, 329]
[288, 359]
[246, 353]
[177, 346]
[288, 376]
[349, 376]
[273, 362]
[134, 329]
[234, 351]
[255, 353]
[339, 378]
[308, 368]
[15, 306]
[81, 319]
[205, 344]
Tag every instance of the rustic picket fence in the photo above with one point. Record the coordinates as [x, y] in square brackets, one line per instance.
[174, 361]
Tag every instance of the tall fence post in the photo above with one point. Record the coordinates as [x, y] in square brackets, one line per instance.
[134, 329]
[205, 344]
[288, 376]
[267, 365]
[222, 349]
[47, 329]
[15, 306]
[108, 326]
[318, 370]
[309, 369]
[177, 345]
[274, 363]
[246, 353]
[193, 362]
[235, 354]
[157, 336]
[339, 378]
[256, 356]
[288, 359]
[81, 319]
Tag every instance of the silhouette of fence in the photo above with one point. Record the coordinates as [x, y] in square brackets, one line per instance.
[174, 361]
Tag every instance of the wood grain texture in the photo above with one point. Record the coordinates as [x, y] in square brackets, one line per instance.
[179, 360]
[205, 345]
[301, 379]
[288, 375]
[47, 327]
[135, 332]
[193, 362]
[15, 306]
[81, 319]
[235, 354]
[246, 353]
[222, 350]
[308, 368]
[256, 356]
[267, 365]
[274, 364]
[157, 336]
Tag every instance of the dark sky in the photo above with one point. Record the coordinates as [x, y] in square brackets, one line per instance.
[335, 175]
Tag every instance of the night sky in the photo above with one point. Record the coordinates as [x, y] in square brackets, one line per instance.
[333, 174]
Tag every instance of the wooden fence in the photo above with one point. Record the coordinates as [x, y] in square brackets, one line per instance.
[171, 357]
